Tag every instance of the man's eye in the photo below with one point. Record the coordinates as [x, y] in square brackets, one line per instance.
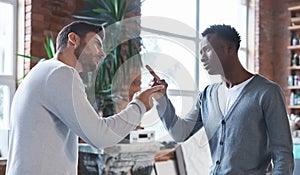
[207, 49]
[204, 50]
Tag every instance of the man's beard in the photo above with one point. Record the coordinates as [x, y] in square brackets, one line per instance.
[82, 58]
[79, 50]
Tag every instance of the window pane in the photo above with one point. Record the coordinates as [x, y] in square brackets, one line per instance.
[3, 143]
[4, 106]
[230, 12]
[6, 38]
[171, 61]
[175, 9]
[243, 57]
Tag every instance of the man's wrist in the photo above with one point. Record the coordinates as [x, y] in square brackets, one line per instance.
[139, 104]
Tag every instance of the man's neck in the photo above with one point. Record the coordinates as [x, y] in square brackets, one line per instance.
[236, 76]
[68, 59]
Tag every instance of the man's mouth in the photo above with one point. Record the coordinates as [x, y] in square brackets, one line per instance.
[205, 65]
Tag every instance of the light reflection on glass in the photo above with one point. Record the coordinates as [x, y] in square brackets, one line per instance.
[4, 106]
[6, 35]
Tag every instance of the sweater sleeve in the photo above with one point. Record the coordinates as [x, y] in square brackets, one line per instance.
[273, 103]
[179, 128]
[65, 97]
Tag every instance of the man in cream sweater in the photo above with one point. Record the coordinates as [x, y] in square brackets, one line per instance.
[50, 108]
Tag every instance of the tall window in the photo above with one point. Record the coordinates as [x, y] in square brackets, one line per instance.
[171, 33]
[7, 67]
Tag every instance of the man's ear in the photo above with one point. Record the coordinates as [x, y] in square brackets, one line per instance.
[73, 39]
[231, 47]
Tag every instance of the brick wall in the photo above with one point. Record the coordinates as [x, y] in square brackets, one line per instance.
[272, 38]
[43, 17]
[273, 35]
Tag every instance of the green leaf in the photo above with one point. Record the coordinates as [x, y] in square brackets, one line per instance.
[86, 13]
[108, 6]
[105, 91]
[85, 17]
[122, 9]
[33, 58]
[20, 79]
[52, 48]
[116, 4]
[99, 10]
[49, 46]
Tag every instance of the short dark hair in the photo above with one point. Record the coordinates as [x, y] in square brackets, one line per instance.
[226, 32]
[81, 28]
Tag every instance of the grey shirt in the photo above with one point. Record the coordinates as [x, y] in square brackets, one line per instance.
[49, 111]
[244, 141]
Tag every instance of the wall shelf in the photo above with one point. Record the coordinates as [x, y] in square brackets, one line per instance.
[294, 8]
[295, 27]
[294, 107]
[293, 87]
[294, 67]
[295, 20]
[294, 47]
[294, 50]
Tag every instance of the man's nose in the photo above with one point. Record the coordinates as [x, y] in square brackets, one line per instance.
[102, 54]
[203, 57]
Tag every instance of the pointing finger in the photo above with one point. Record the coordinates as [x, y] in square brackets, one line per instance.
[156, 88]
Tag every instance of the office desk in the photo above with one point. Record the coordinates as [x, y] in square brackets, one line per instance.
[116, 160]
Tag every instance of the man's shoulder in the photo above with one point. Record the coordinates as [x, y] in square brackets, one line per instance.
[212, 87]
[54, 66]
[262, 80]
[51, 63]
[264, 84]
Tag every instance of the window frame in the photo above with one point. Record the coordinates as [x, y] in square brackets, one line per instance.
[9, 80]
[196, 39]
[245, 49]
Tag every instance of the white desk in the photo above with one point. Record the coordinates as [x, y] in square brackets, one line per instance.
[118, 159]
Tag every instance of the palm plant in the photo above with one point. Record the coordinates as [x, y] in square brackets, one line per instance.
[49, 48]
[111, 14]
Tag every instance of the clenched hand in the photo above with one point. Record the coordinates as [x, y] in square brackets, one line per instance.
[146, 95]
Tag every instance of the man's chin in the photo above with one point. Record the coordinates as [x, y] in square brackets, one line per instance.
[89, 68]
[209, 71]
[213, 72]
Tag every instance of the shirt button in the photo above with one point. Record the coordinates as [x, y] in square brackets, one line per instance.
[218, 162]
[221, 143]
[223, 122]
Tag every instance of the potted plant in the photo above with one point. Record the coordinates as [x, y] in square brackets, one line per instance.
[121, 43]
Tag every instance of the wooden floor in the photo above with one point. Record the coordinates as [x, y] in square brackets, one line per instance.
[2, 166]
